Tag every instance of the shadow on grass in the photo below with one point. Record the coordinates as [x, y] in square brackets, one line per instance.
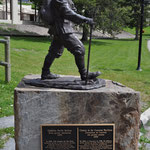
[97, 42]
[124, 40]
[3, 82]
[146, 35]
[109, 41]
[49, 39]
[148, 83]
[32, 39]
[108, 69]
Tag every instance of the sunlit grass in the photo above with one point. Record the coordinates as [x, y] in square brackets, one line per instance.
[116, 59]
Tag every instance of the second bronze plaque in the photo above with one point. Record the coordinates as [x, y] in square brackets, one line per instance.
[78, 137]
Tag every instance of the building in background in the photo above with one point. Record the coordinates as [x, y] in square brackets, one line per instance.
[12, 11]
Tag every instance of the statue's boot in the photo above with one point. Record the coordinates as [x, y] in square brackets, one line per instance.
[91, 75]
[46, 74]
[83, 72]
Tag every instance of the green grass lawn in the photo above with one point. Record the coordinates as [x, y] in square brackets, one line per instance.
[116, 59]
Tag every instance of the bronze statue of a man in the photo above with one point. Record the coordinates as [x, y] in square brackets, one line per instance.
[64, 14]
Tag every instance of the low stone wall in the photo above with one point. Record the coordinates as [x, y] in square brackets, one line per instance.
[114, 103]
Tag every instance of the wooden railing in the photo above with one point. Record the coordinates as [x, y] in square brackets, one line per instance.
[6, 64]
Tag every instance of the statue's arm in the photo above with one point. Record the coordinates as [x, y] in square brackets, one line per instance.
[71, 4]
[67, 13]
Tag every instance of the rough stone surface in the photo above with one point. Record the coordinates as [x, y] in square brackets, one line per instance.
[114, 103]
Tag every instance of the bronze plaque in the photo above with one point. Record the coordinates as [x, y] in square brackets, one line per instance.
[78, 137]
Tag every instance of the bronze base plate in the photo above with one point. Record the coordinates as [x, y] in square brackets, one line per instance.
[66, 82]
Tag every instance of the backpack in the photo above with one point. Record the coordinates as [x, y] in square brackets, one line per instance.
[46, 13]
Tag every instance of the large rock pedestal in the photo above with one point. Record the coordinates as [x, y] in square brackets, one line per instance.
[111, 104]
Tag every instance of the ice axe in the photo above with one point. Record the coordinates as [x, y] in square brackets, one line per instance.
[89, 51]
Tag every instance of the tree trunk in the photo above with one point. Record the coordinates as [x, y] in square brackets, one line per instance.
[85, 33]
[35, 12]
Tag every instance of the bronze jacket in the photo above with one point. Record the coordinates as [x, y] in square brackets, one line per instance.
[64, 14]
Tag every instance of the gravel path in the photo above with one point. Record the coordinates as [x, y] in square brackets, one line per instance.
[40, 30]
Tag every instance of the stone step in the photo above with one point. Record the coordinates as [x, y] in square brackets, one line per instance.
[7, 122]
[9, 145]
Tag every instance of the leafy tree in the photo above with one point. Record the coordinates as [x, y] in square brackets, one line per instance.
[134, 14]
[85, 8]
[109, 16]
[1, 1]
[38, 3]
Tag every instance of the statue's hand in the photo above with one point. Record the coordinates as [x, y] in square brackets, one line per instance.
[90, 21]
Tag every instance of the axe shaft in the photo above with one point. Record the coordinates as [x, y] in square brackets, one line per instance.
[89, 51]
